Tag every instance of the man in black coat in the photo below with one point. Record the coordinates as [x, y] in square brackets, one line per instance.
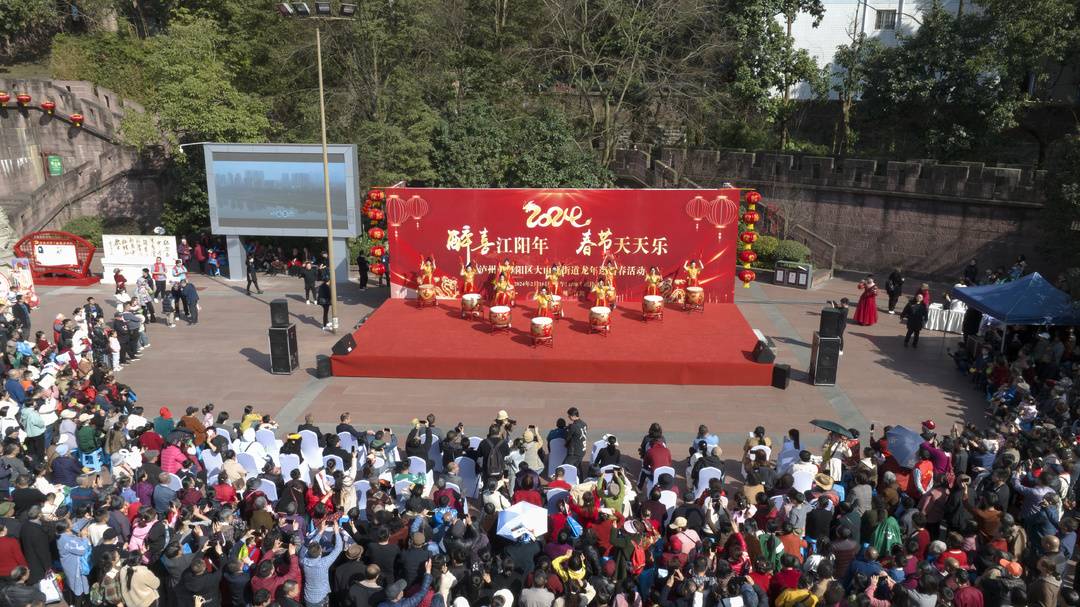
[364, 267]
[915, 314]
[310, 277]
[21, 312]
[35, 546]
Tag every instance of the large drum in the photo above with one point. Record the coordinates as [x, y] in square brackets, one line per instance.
[499, 317]
[599, 318]
[695, 296]
[470, 305]
[541, 327]
[426, 293]
[556, 306]
[652, 304]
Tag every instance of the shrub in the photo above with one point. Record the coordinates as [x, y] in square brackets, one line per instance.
[766, 247]
[792, 250]
[92, 227]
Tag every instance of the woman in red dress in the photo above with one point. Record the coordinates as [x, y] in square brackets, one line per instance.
[866, 311]
[924, 290]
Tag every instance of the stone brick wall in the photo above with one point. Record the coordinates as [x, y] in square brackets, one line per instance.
[100, 175]
[926, 217]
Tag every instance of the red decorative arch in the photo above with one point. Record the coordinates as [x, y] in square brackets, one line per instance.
[73, 274]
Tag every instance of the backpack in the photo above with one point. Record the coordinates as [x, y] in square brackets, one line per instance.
[637, 558]
[493, 465]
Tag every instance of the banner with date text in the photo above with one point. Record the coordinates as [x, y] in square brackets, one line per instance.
[534, 229]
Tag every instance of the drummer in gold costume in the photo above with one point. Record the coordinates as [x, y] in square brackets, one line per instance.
[553, 277]
[603, 294]
[507, 269]
[502, 288]
[543, 302]
[427, 271]
[468, 273]
[652, 281]
[693, 270]
[608, 270]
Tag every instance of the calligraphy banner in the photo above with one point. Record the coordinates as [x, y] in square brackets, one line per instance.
[579, 229]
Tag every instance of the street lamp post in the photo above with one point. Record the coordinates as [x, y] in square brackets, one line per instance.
[323, 11]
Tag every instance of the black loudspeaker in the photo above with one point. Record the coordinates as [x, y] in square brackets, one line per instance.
[832, 321]
[781, 375]
[284, 358]
[763, 353]
[344, 345]
[824, 360]
[322, 366]
[279, 313]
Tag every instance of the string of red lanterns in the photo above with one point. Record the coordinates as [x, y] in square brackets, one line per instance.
[747, 256]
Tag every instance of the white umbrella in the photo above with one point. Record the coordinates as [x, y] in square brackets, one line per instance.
[522, 519]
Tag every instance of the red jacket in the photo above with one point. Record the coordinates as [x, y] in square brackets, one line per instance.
[657, 456]
[11, 555]
[277, 578]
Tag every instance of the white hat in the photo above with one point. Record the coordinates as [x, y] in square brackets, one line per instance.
[67, 414]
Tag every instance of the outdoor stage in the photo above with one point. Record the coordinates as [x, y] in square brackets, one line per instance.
[400, 340]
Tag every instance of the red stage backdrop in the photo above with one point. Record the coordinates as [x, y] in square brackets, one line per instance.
[578, 228]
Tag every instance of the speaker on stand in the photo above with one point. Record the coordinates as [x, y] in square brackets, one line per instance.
[279, 313]
[824, 360]
[832, 322]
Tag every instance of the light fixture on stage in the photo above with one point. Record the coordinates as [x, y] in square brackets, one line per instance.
[302, 9]
[322, 9]
[285, 9]
[348, 10]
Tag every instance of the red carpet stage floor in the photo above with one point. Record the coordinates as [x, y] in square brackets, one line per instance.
[711, 348]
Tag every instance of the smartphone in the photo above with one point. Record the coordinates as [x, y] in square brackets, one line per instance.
[662, 572]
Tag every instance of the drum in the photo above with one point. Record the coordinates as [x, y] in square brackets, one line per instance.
[426, 292]
[499, 316]
[470, 304]
[695, 296]
[599, 318]
[652, 304]
[556, 306]
[541, 327]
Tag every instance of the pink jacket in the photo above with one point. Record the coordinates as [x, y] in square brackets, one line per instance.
[172, 459]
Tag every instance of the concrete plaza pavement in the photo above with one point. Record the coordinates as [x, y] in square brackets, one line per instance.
[225, 360]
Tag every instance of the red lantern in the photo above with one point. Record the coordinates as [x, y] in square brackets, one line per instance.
[23, 98]
[48, 106]
[747, 276]
[748, 237]
[366, 207]
[751, 217]
[697, 208]
[376, 194]
[377, 214]
[76, 119]
[376, 233]
[378, 269]
[753, 197]
[377, 250]
[4, 97]
[721, 212]
[747, 256]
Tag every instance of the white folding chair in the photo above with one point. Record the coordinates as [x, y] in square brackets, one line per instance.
[704, 476]
[337, 461]
[346, 441]
[401, 488]
[250, 464]
[669, 499]
[554, 496]
[569, 474]
[212, 462]
[435, 454]
[802, 481]
[556, 454]
[269, 489]
[290, 462]
[309, 445]
[174, 482]
[596, 447]
[417, 465]
[467, 472]
[474, 442]
[658, 472]
[361, 487]
[267, 439]
[464, 500]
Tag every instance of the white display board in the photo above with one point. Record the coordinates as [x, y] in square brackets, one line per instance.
[56, 255]
[131, 253]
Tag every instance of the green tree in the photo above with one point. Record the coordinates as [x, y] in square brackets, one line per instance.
[1061, 215]
[850, 69]
[942, 92]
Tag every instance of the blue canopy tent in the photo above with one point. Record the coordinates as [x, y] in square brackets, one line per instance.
[1031, 300]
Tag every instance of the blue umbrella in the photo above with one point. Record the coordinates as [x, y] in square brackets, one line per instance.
[904, 445]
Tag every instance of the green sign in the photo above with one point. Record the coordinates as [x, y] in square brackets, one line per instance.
[56, 166]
